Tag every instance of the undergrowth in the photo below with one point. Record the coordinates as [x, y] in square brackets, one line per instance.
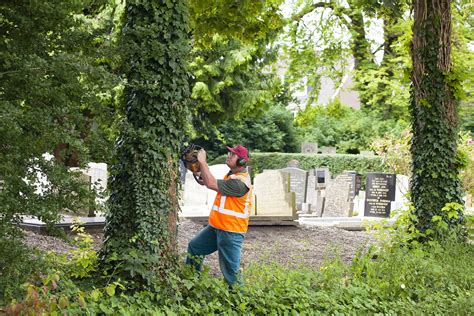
[431, 278]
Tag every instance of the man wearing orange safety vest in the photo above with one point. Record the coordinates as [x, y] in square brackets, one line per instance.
[229, 217]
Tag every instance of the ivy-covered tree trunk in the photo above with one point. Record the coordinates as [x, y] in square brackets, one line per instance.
[433, 108]
[140, 234]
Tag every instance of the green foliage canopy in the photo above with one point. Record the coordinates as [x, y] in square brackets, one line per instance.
[351, 131]
[231, 61]
[49, 95]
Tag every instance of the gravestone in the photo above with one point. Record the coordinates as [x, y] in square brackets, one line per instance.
[380, 192]
[98, 173]
[359, 204]
[316, 184]
[272, 194]
[218, 171]
[88, 206]
[95, 176]
[194, 201]
[293, 163]
[338, 202]
[401, 200]
[468, 202]
[327, 150]
[322, 176]
[367, 153]
[254, 203]
[309, 148]
[298, 180]
[354, 179]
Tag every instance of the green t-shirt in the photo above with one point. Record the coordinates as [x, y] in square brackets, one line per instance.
[232, 187]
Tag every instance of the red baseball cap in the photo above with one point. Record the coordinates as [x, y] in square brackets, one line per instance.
[240, 151]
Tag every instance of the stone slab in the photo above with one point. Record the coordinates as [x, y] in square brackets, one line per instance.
[298, 181]
[255, 220]
[272, 194]
[337, 199]
[96, 223]
[309, 148]
[346, 223]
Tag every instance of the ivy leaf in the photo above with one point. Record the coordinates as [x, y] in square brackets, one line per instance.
[110, 289]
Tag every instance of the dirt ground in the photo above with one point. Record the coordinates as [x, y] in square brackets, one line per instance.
[286, 245]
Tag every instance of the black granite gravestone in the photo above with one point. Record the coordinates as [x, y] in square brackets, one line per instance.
[380, 191]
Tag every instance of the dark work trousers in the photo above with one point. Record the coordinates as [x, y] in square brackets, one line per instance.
[228, 245]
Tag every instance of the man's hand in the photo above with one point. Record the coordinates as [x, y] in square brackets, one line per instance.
[207, 177]
[201, 156]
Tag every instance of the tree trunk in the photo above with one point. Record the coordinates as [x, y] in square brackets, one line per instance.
[140, 234]
[433, 108]
[390, 37]
[359, 44]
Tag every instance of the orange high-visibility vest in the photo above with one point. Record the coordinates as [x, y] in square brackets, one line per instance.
[231, 213]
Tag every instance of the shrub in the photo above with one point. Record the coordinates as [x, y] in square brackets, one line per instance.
[395, 151]
[434, 278]
[394, 278]
[466, 161]
[17, 264]
[350, 130]
[336, 163]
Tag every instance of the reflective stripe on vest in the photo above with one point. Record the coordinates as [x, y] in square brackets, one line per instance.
[222, 210]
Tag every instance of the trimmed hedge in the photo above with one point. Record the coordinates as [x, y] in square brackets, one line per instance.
[336, 163]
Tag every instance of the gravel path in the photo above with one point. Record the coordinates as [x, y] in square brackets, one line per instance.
[287, 245]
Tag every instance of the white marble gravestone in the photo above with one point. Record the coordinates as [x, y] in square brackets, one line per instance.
[194, 198]
[272, 194]
[315, 189]
[402, 185]
[97, 173]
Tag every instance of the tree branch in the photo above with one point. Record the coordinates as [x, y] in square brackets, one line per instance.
[341, 12]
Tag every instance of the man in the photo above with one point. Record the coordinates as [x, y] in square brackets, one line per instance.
[229, 217]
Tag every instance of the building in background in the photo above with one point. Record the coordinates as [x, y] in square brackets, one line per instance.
[328, 91]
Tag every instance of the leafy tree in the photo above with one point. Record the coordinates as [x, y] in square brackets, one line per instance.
[466, 114]
[231, 61]
[247, 21]
[351, 131]
[49, 93]
[230, 81]
[434, 102]
[272, 131]
[326, 35]
[463, 59]
[141, 224]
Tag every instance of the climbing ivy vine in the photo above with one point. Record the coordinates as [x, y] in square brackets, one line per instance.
[434, 101]
[140, 236]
